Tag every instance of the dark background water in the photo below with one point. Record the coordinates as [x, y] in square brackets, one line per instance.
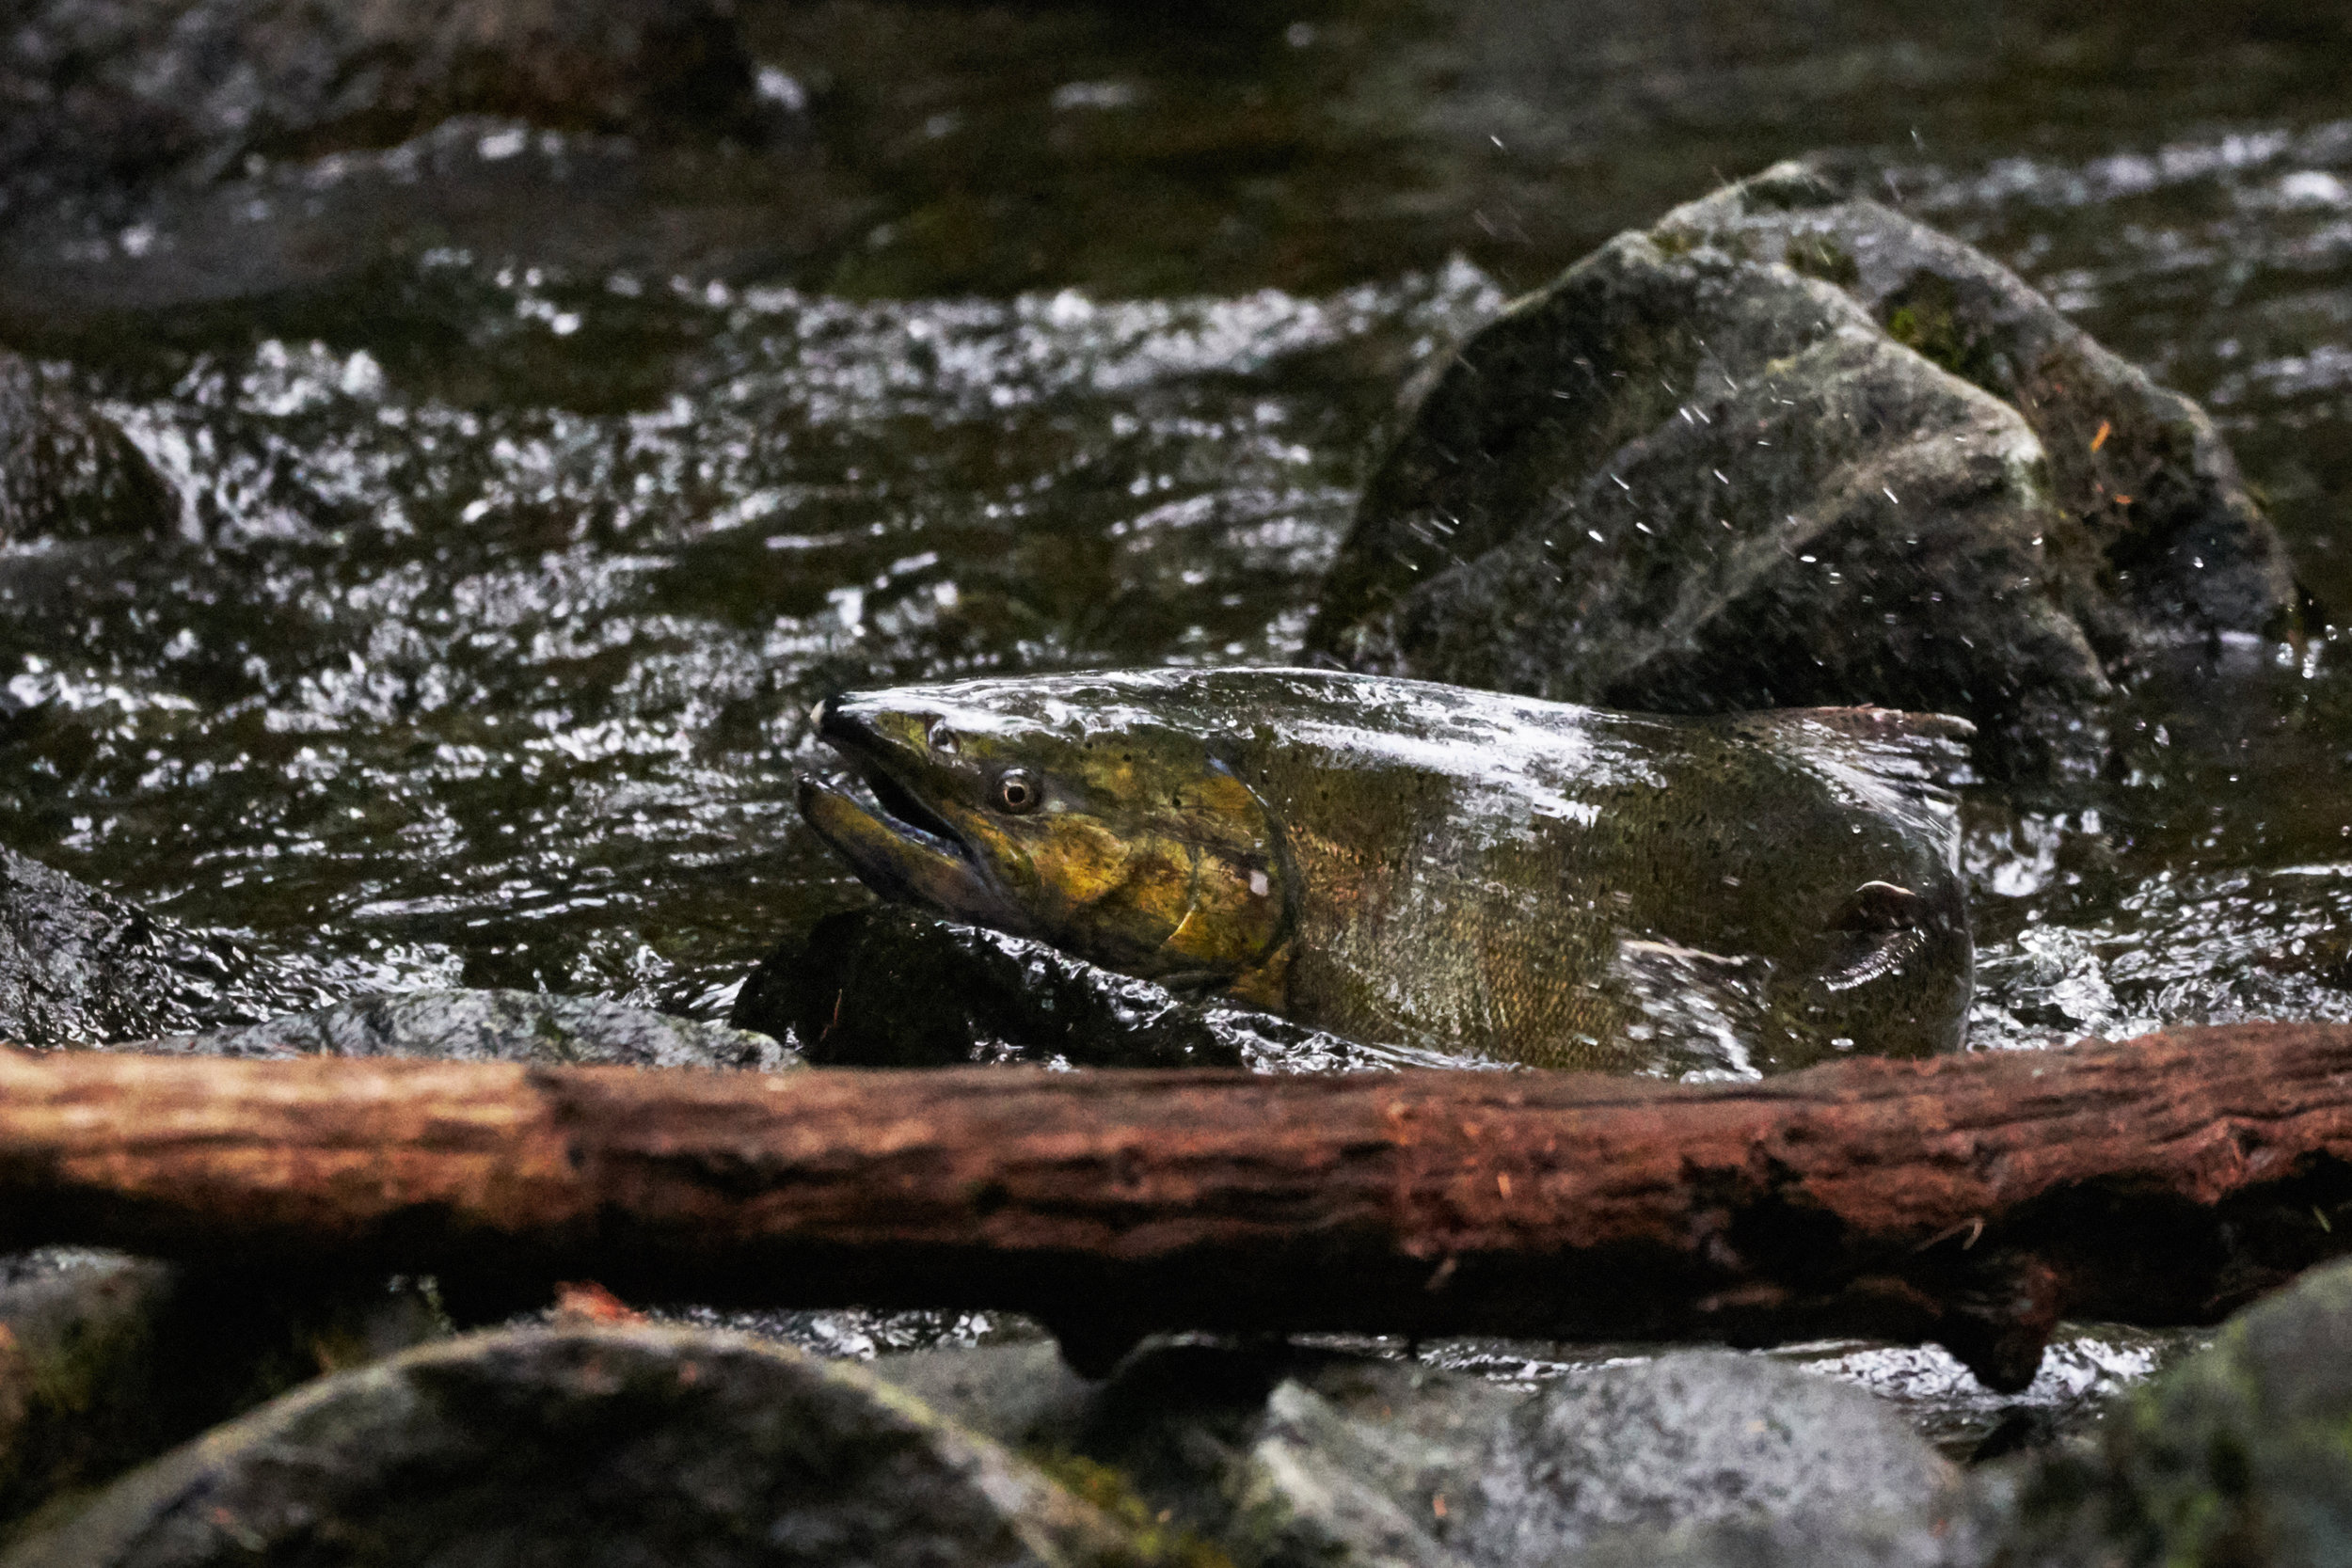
[537, 484]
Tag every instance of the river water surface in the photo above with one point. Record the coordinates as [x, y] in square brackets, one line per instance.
[536, 486]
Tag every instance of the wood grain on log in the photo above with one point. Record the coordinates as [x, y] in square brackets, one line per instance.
[1969, 1200]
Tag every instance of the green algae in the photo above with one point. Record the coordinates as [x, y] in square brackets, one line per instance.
[1159, 1538]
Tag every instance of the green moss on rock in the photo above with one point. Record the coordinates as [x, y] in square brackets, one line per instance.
[2243, 1455]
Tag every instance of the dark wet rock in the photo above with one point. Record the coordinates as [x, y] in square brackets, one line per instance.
[594, 1447]
[77, 1369]
[106, 1360]
[2237, 1456]
[103, 89]
[1789, 449]
[2174, 537]
[79, 967]
[492, 1026]
[1289, 1455]
[887, 987]
[82, 967]
[65, 471]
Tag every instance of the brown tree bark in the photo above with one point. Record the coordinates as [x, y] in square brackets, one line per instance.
[1970, 1200]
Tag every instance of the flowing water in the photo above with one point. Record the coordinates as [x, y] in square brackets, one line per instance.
[535, 486]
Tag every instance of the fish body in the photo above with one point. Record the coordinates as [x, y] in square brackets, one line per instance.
[1427, 866]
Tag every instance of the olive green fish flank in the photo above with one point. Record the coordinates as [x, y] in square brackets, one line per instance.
[1432, 867]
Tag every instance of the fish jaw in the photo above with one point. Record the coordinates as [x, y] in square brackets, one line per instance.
[904, 847]
[903, 862]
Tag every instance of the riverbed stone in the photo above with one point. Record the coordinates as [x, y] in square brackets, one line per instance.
[100, 90]
[2242, 1454]
[107, 1359]
[594, 1446]
[78, 1332]
[1703, 1444]
[1275, 1453]
[67, 472]
[1789, 449]
[491, 1026]
[890, 986]
[1295, 1454]
[79, 966]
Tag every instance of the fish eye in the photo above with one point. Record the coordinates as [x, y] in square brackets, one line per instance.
[1016, 791]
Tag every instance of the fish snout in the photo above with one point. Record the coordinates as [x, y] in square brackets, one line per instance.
[868, 730]
[831, 717]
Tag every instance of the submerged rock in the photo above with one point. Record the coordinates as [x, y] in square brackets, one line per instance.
[492, 1026]
[887, 987]
[99, 90]
[1285, 1455]
[1787, 449]
[2237, 1456]
[82, 967]
[65, 471]
[594, 1447]
[79, 967]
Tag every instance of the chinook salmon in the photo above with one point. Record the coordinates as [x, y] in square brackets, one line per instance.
[1419, 864]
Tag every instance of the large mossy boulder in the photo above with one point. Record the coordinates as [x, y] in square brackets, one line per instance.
[1787, 448]
[2240, 1456]
[596, 1447]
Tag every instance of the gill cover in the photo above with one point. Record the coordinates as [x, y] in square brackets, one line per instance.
[1176, 879]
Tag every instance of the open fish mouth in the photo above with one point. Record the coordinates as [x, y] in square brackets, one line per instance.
[901, 849]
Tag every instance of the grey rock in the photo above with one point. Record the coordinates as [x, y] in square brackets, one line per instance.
[1356, 1462]
[1784, 1544]
[887, 987]
[1295, 1455]
[68, 472]
[1704, 1444]
[2237, 1456]
[593, 1446]
[103, 89]
[82, 967]
[1023, 1395]
[1789, 449]
[491, 1026]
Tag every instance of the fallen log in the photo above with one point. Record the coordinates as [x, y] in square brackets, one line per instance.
[1969, 1200]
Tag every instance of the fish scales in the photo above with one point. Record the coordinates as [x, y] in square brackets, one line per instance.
[1428, 865]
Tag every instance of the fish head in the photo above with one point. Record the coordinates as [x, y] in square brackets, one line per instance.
[1111, 833]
